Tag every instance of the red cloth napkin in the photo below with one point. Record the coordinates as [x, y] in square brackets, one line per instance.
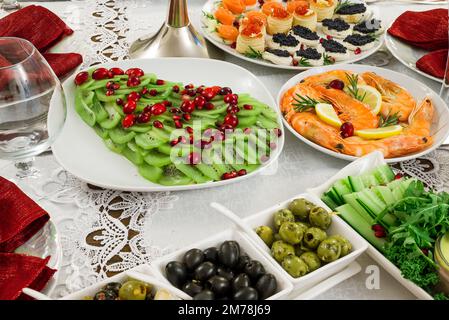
[426, 29]
[63, 63]
[20, 217]
[434, 63]
[18, 271]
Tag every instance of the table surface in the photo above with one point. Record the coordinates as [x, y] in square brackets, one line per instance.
[103, 232]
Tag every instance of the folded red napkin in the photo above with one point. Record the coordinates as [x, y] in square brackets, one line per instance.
[63, 63]
[18, 271]
[20, 217]
[426, 29]
[434, 63]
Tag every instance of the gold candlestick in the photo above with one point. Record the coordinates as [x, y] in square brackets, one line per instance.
[176, 38]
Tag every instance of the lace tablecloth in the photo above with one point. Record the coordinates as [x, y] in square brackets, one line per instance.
[103, 232]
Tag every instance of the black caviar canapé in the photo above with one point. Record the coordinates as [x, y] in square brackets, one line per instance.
[278, 52]
[336, 24]
[368, 26]
[333, 46]
[305, 33]
[309, 53]
[354, 8]
[285, 40]
[358, 39]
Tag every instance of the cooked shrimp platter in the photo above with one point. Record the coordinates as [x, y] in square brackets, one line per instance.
[298, 34]
[355, 112]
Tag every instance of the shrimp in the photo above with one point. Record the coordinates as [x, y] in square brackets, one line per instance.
[395, 99]
[235, 6]
[224, 16]
[325, 78]
[288, 100]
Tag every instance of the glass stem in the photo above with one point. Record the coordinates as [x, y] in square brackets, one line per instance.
[177, 14]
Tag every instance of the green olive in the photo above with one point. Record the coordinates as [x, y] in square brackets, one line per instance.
[281, 249]
[300, 208]
[295, 266]
[312, 260]
[300, 249]
[320, 218]
[282, 216]
[291, 232]
[266, 234]
[346, 246]
[329, 250]
[313, 237]
[304, 226]
[133, 290]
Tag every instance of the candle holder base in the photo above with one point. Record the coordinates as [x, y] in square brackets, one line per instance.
[170, 42]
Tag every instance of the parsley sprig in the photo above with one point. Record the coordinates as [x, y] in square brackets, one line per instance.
[253, 53]
[389, 119]
[353, 88]
[209, 15]
[304, 62]
[304, 103]
[328, 60]
[342, 4]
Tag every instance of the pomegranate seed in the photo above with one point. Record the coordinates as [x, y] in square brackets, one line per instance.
[116, 71]
[380, 234]
[194, 158]
[167, 103]
[176, 118]
[191, 139]
[398, 176]
[199, 101]
[110, 85]
[200, 89]
[144, 117]
[208, 93]
[224, 91]
[425, 251]
[110, 92]
[147, 109]
[186, 116]
[209, 106]
[346, 130]
[231, 119]
[242, 172]
[174, 142]
[175, 110]
[110, 75]
[321, 40]
[232, 109]
[100, 74]
[294, 63]
[129, 107]
[277, 131]
[231, 98]
[264, 158]
[116, 86]
[247, 131]
[182, 139]
[189, 130]
[273, 145]
[189, 86]
[133, 82]
[247, 107]
[160, 82]
[158, 109]
[337, 84]
[175, 89]
[144, 91]
[81, 78]
[158, 124]
[188, 106]
[358, 51]
[134, 96]
[377, 227]
[153, 92]
[229, 175]
[234, 45]
[236, 24]
[225, 127]
[119, 102]
[184, 91]
[134, 72]
[128, 121]
[178, 124]
[328, 37]
[191, 93]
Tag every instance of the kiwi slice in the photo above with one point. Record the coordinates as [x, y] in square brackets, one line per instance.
[147, 141]
[247, 151]
[120, 136]
[165, 149]
[114, 117]
[192, 172]
[98, 110]
[173, 177]
[101, 132]
[133, 156]
[267, 123]
[117, 148]
[209, 171]
[270, 113]
[157, 159]
[159, 134]
[141, 128]
[150, 172]
[248, 167]
[248, 113]
[245, 122]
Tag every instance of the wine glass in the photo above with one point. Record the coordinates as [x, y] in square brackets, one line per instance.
[29, 89]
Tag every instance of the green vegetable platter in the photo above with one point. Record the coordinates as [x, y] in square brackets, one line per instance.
[400, 218]
[167, 124]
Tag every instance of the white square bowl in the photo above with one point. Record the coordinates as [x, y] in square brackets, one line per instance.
[146, 272]
[338, 226]
[246, 246]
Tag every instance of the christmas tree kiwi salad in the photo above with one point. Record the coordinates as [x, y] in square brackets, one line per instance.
[178, 134]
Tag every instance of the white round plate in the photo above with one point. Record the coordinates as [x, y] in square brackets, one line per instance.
[407, 54]
[209, 6]
[440, 124]
[81, 152]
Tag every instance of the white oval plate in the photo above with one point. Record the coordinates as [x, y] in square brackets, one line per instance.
[208, 7]
[81, 152]
[440, 125]
[407, 54]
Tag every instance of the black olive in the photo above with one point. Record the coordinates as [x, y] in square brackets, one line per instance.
[225, 273]
[193, 258]
[229, 253]
[266, 286]
[105, 295]
[205, 271]
[254, 269]
[241, 281]
[204, 295]
[114, 286]
[243, 260]
[176, 273]
[246, 293]
[192, 288]
[219, 286]
[211, 254]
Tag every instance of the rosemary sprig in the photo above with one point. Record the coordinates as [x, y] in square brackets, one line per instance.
[304, 103]
[328, 60]
[353, 86]
[304, 62]
[254, 54]
[209, 15]
[389, 119]
[342, 4]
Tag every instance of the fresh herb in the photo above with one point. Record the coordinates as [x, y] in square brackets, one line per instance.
[441, 296]
[304, 103]
[353, 86]
[254, 54]
[209, 16]
[304, 62]
[328, 60]
[342, 4]
[389, 119]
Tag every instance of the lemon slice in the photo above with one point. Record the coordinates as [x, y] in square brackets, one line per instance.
[371, 97]
[327, 114]
[379, 133]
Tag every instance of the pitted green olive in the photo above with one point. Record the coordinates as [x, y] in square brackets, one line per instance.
[313, 237]
[346, 246]
[266, 234]
[329, 250]
[291, 232]
[301, 208]
[320, 218]
[281, 249]
[312, 260]
[282, 216]
[295, 266]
